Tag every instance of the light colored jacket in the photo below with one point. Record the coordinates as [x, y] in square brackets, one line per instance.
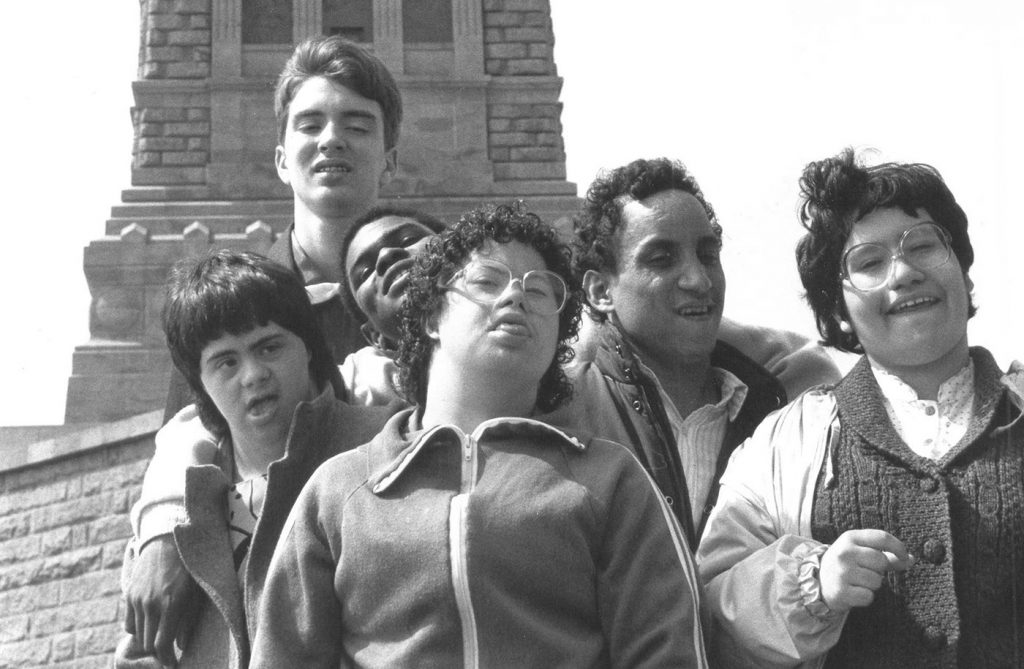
[759, 533]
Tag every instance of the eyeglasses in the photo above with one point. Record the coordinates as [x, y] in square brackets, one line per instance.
[483, 281]
[868, 266]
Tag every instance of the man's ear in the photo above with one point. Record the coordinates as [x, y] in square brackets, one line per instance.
[372, 336]
[281, 165]
[968, 283]
[430, 327]
[598, 289]
[390, 167]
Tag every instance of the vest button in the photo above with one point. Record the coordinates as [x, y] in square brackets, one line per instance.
[628, 373]
[934, 551]
[638, 405]
[933, 638]
[929, 485]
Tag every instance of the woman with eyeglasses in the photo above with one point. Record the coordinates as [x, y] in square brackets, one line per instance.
[469, 532]
[880, 522]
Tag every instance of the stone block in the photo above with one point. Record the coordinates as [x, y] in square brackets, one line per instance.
[531, 34]
[63, 647]
[499, 125]
[14, 526]
[198, 144]
[165, 54]
[505, 50]
[167, 176]
[20, 548]
[97, 640]
[198, 113]
[168, 21]
[538, 50]
[517, 171]
[188, 37]
[494, 35]
[109, 528]
[549, 139]
[500, 154]
[501, 19]
[13, 628]
[72, 563]
[147, 159]
[527, 66]
[156, 37]
[36, 496]
[187, 129]
[161, 114]
[27, 653]
[494, 67]
[152, 144]
[191, 70]
[55, 541]
[184, 158]
[149, 130]
[534, 124]
[536, 19]
[27, 599]
[199, 21]
[511, 139]
[151, 70]
[89, 586]
[516, 5]
[78, 511]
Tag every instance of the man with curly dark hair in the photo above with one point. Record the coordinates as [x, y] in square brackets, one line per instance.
[468, 532]
[653, 371]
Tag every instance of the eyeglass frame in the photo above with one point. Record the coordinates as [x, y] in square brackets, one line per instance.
[943, 236]
[447, 285]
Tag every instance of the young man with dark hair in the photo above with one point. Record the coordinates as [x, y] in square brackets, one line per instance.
[469, 532]
[653, 372]
[242, 331]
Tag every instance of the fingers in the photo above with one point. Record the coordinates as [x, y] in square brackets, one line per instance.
[129, 617]
[879, 540]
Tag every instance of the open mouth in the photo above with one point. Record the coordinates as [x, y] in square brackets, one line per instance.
[332, 168]
[260, 405]
[511, 324]
[695, 310]
[396, 277]
[911, 305]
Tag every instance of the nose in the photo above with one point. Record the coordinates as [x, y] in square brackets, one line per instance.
[694, 277]
[254, 371]
[387, 257]
[330, 139]
[513, 295]
[902, 273]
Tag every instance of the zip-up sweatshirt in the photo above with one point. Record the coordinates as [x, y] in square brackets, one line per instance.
[514, 546]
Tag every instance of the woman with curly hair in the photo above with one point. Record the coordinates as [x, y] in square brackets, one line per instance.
[468, 532]
[879, 522]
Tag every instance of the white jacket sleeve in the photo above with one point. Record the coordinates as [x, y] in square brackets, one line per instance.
[180, 444]
[758, 537]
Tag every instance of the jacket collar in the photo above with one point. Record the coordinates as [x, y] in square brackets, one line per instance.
[403, 439]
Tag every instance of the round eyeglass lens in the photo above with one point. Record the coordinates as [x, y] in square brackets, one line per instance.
[923, 246]
[484, 281]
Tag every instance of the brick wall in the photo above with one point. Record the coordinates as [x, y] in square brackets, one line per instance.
[63, 529]
[172, 144]
[524, 140]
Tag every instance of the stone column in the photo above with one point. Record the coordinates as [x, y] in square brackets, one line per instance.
[307, 19]
[388, 44]
[468, 38]
[227, 39]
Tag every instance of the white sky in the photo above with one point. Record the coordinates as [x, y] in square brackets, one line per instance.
[745, 92]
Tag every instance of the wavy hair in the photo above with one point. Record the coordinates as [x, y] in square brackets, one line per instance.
[345, 63]
[838, 192]
[600, 216]
[449, 252]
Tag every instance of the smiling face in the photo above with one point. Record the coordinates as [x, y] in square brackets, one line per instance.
[505, 341]
[333, 154]
[256, 379]
[917, 317]
[669, 290]
[377, 266]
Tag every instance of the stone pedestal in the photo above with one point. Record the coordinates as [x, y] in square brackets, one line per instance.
[482, 123]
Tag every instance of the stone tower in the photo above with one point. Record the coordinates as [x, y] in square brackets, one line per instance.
[482, 123]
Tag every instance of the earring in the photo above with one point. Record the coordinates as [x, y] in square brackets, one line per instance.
[844, 326]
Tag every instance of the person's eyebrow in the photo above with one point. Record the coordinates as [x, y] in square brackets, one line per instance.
[263, 341]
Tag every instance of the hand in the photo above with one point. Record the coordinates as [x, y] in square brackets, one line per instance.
[160, 597]
[853, 567]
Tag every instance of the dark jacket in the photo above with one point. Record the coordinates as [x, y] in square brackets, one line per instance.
[615, 400]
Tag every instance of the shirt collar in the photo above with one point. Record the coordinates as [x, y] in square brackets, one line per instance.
[412, 440]
[318, 287]
[953, 392]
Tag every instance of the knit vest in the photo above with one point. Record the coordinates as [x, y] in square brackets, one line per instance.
[962, 604]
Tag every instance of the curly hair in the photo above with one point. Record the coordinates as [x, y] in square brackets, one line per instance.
[432, 223]
[234, 292]
[449, 252]
[345, 63]
[600, 216]
[838, 192]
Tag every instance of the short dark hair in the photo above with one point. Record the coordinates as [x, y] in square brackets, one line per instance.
[838, 192]
[600, 216]
[234, 292]
[345, 63]
[449, 252]
[433, 223]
